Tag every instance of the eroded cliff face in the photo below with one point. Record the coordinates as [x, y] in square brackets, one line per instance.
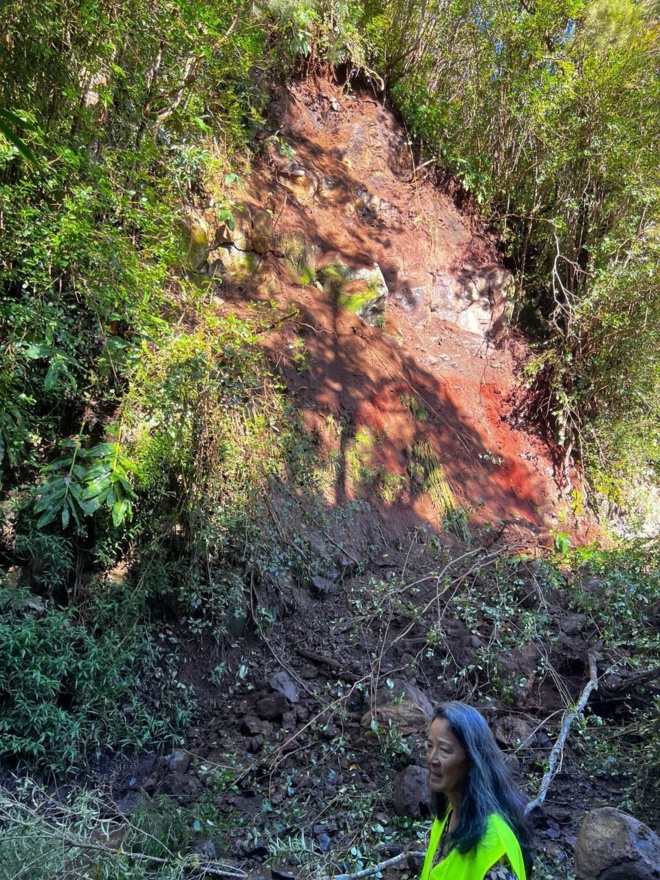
[398, 352]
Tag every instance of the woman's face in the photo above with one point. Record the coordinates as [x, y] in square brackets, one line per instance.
[447, 762]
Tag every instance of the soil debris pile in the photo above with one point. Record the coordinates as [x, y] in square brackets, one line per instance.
[396, 348]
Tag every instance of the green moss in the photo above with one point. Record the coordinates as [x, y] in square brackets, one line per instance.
[297, 252]
[358, 301]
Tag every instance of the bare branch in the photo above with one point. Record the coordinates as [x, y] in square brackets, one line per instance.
[570, 717]
[372, 869]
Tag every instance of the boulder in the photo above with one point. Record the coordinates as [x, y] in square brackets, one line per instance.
[181, 786]
[411, 795]
[361, 291]
[514, 731]
[252, 726]
[406, 715]
[612, 845]
[198, 235]
[478, 299]
[239, 234]
[272, 707]
[232, 262]
[251, 229]
[573, 624]
[178, 761]
[261, 231]
[206, 849]
[283, 683]
[414, 301]
[322, 586]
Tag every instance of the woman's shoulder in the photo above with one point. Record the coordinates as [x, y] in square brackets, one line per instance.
[498, 833]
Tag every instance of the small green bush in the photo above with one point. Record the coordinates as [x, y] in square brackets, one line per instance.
[69, 692]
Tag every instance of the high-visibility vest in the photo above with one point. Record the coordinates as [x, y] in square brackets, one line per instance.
[497, 841]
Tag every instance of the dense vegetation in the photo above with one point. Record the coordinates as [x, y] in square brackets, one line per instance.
[133, 420]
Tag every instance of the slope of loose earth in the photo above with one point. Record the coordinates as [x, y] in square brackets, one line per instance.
[340, 183]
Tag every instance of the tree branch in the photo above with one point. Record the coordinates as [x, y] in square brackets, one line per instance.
[591, 686]
[372, 869]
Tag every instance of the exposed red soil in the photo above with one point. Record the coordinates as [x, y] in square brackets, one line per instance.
[361, 374]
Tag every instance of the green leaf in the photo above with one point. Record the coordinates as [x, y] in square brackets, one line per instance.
[120, 511]
[47, 518]
[37, 351]
[51, 377]
[97, 487]
[17, 120]
[13, 138]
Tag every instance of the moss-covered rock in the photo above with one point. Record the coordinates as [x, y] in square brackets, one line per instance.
[198, 236]
[233, 263]
[361, 291]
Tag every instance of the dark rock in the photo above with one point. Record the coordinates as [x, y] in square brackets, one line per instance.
[553, 831]
[152, 782]
[612, 845]
[259, 852]
[180, 786]
[144, 765]
[330, 731]
[256, 744]
[514, 731]
[285, 685]
[178, 762]
[415, 863]
[251, 806]
[289, 720]
[573, 624]
[252, 726]
[411, 795]
[272, 707]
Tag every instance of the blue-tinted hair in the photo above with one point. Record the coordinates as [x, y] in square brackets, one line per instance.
[489, 787]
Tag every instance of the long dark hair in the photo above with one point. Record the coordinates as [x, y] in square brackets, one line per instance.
[489, 787]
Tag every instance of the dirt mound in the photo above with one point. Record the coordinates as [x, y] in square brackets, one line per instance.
[408, 398]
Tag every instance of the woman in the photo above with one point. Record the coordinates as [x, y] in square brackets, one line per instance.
[480, 831]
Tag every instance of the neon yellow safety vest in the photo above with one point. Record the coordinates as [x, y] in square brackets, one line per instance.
[497, 841]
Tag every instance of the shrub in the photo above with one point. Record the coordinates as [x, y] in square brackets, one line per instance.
[69, 692]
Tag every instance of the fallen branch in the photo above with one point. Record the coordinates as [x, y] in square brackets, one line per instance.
[372, 869]
[34, 825]
[632, 681]
[570, 717]
[330, 662]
